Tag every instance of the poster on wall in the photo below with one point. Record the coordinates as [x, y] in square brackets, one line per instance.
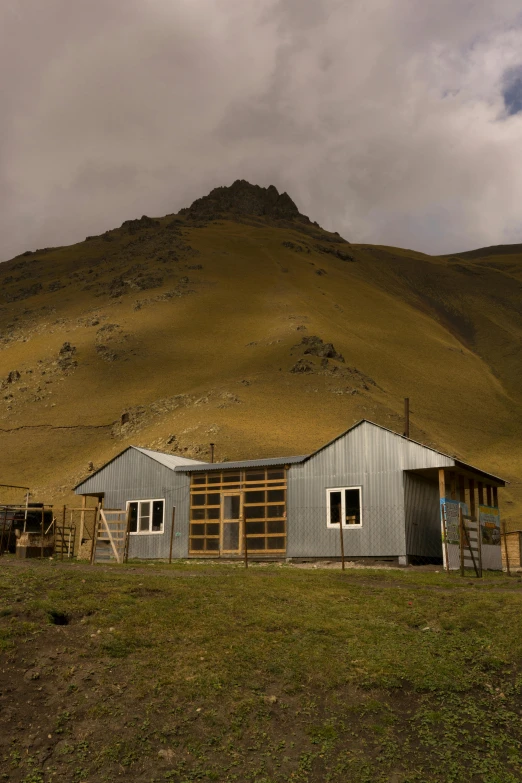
[450, 524]
[489, 525]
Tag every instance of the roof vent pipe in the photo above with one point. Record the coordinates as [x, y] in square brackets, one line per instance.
[212, 452]
[407, 417]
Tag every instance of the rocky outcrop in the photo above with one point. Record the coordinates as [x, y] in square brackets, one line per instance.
[242, 198]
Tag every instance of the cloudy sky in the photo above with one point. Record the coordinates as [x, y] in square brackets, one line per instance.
[391, 121]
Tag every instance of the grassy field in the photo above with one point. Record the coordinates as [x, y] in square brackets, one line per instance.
[150, 672]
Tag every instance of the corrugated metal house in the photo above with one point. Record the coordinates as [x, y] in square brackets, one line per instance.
[384, 488]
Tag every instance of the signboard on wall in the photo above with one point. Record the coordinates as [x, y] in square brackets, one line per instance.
[489, 525]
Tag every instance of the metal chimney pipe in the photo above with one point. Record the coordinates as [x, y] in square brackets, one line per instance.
[212, 452]
[407, 416]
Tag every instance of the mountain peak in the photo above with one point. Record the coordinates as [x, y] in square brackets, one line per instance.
[243, 198]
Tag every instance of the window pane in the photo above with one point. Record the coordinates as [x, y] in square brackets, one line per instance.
[231, 477]
[212, 545]
[213, 529]
[199, 479]
[255, 475]
[231, 536]
[276, 495]
[277, 526]
[353, 508]
[213, 513]
[133, 517]
[157, 515]
[256, 543]
[232, 505]
[276, 474]
[197, 544]
[254, 512]
[198, 513]
[277, 542]
[275, 511]
[214, 478]
[214, 499]
[197, 529]
[335, 508]
[198, 500]
[145, 515]
[255, 497]
[255, 527]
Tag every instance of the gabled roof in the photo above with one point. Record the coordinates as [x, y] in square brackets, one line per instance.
[170, 461]
[457, 462]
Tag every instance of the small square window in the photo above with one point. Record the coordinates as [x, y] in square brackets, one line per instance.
[343, 503]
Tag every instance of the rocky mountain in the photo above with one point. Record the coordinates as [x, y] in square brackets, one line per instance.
[239, 321]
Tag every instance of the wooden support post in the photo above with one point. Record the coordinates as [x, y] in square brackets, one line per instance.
[63, 530]
[82, 517]
[488, 495]
[172, 533]
[506, 550]
[95, 532]
[495, 497]
[43, 533]
[453, 488]
[442, 494]
[480, 488]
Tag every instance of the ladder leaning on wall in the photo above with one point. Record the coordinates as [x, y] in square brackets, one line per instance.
[112, 536]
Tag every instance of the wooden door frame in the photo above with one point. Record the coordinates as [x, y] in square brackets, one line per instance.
[240, 521]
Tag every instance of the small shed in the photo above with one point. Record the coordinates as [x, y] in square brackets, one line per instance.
[512, 550]
[381, 489]
[146, 483]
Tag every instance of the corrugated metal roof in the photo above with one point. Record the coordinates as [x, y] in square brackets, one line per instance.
[171, 461]
[247, 463]
[167, 460]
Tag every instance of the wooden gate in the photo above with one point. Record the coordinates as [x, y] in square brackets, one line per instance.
[111, 543]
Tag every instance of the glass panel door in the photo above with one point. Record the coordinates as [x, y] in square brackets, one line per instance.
[231, 524]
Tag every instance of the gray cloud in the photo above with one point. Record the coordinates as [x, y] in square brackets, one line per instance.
[391, 121]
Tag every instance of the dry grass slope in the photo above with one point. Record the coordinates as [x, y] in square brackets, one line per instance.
[191, 325]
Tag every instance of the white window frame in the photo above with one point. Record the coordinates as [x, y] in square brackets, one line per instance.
[147, 532]
[342, 490]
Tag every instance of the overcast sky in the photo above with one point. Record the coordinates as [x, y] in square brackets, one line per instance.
[391, 121]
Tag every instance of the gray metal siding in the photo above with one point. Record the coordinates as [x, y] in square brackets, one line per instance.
[422, 515]
[369, 457]
[135, 476]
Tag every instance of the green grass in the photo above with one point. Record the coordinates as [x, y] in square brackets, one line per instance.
[271, 674]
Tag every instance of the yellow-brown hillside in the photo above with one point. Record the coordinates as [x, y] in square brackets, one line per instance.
[191, 326]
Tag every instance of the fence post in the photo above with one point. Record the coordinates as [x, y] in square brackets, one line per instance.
[342, 540]
[461, 536]
[172, 533]
[42, 536]
[245, 543]
[506, 550]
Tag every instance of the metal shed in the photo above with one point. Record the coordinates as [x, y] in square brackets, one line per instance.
[143, 475]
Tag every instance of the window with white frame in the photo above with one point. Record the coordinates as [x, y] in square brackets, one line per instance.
[146, 516]
[343, 503]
